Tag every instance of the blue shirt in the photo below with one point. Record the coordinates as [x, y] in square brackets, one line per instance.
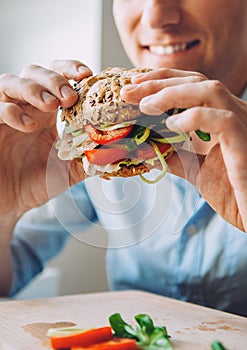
[162, 238]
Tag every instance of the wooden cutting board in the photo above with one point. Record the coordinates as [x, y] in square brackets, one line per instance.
[24, 323]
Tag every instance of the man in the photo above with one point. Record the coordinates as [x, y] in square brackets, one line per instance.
[170, 241]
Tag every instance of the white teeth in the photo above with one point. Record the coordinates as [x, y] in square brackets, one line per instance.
[167, 49]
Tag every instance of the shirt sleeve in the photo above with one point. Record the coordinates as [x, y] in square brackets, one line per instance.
[42, 232]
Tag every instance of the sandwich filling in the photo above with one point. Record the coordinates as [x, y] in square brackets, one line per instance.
[124, 149]
[112, 137]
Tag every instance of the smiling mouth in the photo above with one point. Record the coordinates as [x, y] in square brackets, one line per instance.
[170, 49]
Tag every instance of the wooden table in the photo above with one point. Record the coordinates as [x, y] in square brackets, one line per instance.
[24, 323]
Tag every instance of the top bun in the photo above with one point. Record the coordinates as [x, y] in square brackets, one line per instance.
[99, 101]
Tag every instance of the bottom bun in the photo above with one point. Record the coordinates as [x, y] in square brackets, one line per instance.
[128, 171]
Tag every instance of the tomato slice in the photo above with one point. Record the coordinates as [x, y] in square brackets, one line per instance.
[115, 344]
[85, 338]
[146, 151]
[104, 156]
[104, 137]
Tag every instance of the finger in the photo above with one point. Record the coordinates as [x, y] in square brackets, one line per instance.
[164, 73]
[14, 116]
[230, 131]
[208, 93]
[223, 123]
[15, 89]
[194, 118]
[134, 93]
[53, 82]
[71, 69]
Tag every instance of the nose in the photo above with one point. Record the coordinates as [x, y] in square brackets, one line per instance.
[160, 13]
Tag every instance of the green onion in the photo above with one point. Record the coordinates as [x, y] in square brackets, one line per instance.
[173, 139]
[203, 135]
[117, 126]
[217, 346]
[77, 132]
[163, 163]
[58, 144]
[142, 137]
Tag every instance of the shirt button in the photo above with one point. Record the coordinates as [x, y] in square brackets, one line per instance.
[191, 230]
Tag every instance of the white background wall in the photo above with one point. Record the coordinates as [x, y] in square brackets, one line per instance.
[33, 31]
[112, 52]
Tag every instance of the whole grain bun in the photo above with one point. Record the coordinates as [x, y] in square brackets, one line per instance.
[99, 101]
[100, 104]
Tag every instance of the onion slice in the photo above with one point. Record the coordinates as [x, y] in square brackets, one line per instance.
[163, 163]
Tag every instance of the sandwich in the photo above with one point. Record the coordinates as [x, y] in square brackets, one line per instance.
[112, 138]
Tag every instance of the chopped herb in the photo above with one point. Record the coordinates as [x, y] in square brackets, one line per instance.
[147, 336]
[203, 135]
[217, 346]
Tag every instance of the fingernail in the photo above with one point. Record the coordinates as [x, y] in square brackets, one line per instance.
[130, 87]
[26, 120]
[174, 124]
[147, 100]
[138, 76]
[66, 91]
[170, 121]
[81, 69]
[47, 97]
[147, 107]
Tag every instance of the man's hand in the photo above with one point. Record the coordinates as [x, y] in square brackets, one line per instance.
[28, 109]
[219, 169]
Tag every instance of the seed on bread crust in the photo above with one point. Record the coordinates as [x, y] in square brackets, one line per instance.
[99, 101]
[100, 104]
